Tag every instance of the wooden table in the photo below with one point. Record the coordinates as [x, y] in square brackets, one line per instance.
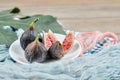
[78, 15]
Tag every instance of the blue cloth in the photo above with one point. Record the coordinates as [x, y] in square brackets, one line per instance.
[102, 66]
[99, 46]
[105, 65]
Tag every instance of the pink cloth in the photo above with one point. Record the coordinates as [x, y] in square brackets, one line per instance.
[88, 40]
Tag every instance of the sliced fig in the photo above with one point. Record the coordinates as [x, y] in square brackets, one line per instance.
[56, 50]
[68, 42]
[51, 36]
[49, 39]
[36, 52]
[29, 35]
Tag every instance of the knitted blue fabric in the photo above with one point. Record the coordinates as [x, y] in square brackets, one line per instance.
[99, 46]
[104, 65]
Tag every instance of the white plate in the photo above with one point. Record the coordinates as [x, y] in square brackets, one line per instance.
[17, 53]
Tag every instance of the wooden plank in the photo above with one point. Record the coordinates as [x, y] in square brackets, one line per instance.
[54, 2]
[93, 24]
[78, 15]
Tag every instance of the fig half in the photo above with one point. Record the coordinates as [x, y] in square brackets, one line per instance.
[36, 51]
[56, 50]
[49, 39]
[68, 42]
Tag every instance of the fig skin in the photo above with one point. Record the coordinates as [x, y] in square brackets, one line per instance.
[29, 35]
[56, 51]
[36, 52]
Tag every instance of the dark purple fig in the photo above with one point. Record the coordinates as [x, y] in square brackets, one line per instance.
[36, 52]
[29, 35]
[56, 50]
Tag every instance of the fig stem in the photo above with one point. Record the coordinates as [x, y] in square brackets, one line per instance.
[33, 24]
[36, 20]
[37, 39]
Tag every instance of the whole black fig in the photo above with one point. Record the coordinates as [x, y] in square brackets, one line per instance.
[36, 52]
[56, 50]
[29, 35]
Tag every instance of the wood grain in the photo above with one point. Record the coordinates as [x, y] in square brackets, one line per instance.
[78, 15]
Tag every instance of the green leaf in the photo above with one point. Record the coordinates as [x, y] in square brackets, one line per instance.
[15, 10]
[45, 23]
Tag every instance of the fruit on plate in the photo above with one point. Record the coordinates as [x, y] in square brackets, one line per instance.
[39, 49]
[56, 51]
[68, 42]
[49, 39]
[51, 36]
[36, 51]
[29, 35]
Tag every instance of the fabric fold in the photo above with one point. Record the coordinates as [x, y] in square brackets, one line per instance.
[90, 40]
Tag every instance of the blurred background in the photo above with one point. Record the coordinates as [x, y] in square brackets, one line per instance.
[78, 15]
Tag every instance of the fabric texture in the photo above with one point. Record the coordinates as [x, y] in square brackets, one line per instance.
[105, 65]
[89, 40]
[101, 66]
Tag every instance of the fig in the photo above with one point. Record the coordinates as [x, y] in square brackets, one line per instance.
[49, 39]
[56, 51]
[68, 42]
[29, 35]
[36, 51]
[51, 36]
